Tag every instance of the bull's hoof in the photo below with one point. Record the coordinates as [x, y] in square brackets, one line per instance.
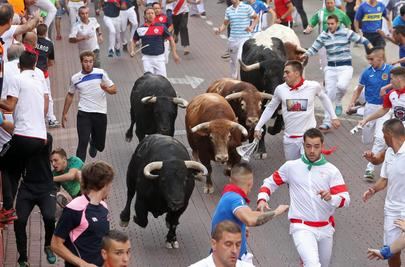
[261, 156]
[138, 222]
[208, 189]
[128, 139]
[171, 245]
[124, 224]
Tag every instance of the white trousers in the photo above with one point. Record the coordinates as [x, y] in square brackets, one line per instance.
[197, 9]
[47, 6]
[391, 231]
[50, 115]
[337, 79]
[74, 12]
[125, 16]
[114, 28]
[314, 244]
[154, 64]
[235, 52]
[292, 147]
[372, 131]
[167, 51]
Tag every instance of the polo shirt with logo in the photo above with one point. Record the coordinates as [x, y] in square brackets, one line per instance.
[396, 100]
[154, 36]
[371, 16]
[373, 79]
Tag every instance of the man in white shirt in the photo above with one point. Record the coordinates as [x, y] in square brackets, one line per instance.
[226, 240]
[297, 99]
[27, 98]
[316, 189]
[392, 178]
[87, 34]
[92, 85]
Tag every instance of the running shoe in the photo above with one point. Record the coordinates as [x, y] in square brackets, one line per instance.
[324, 127]
[110, 53]
[92, 150]
[117, 52]
[53, 124]
[338, 110]
[50, 256]
[23, 264]
[369, 175]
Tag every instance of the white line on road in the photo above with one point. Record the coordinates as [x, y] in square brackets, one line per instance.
[209, 22]
[223, 36]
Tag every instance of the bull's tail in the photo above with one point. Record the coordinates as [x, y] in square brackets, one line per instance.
[130, 132]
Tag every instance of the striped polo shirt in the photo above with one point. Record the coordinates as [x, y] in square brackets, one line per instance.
[337, 44]
[239, 19]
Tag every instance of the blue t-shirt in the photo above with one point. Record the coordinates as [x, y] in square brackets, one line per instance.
[398, 21]
[372, 80]
[371, 16]
[225, 210]
[402, 53]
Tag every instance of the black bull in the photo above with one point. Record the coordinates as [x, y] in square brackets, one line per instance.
[266, 75]
[162, 176]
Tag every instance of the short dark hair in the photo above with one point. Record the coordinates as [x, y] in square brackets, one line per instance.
[96, 175]
[6, 13]
[147, 8]
[225, 226]
[398, 71]
[313, 133]
[296, 65]
[156, 3]
[333, 16]
[114, 235]
[60, 151]
[81, 8]
[27, 60]
[402, 10]
[242, 168]
[400, 30]
[87, 53]
[395, 127]
[42, 29]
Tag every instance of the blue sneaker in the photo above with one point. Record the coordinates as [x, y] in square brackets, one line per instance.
[50, 257]
[117, 52]
[110, 53]
[338, 110]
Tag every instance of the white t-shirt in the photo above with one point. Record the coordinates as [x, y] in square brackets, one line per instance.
[81, 29]
[209, 262]
[29, 119]
[92, 97]
[8, 39]
[298, 107]
[393, 169]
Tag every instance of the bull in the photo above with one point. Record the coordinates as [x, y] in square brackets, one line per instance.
[262, 64]
[163, 177]
[244, 98]
[153, 106]
[213, 132]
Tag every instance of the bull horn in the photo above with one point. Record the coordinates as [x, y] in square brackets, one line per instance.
[266, 96]
[234, 96]
[181, 102]
[148, 99]
[200, 126]
[155, 165]
[301, 50]
[191, 164]
[240, 127]
[248, 68]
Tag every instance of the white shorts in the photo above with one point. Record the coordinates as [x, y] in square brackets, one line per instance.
[391, 231]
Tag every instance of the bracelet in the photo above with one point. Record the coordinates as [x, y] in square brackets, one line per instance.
[386, 252]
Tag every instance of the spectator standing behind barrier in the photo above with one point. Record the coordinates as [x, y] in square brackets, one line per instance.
[226, 240]
[373, 78]
[116, 249]
[316, 190]
[92, 85]
[238, 16]
[67, 173]
[84, 221]
[87, 34]
[27, 97]
[339, 70]
[153, 36]
[233, 206]
[6, 18]
[370, 14]
[36, 189]
[392, 178]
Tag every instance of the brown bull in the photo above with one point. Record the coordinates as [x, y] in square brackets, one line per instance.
[245, 99]
[212, 132]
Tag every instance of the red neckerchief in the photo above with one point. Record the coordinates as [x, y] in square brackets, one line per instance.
[236, 189]
[401, 91]
[31, 49]
[295, 87]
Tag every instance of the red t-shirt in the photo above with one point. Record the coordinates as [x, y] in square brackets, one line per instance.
[280, 6]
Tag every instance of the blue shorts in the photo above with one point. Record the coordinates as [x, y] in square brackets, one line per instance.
[60, 11]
